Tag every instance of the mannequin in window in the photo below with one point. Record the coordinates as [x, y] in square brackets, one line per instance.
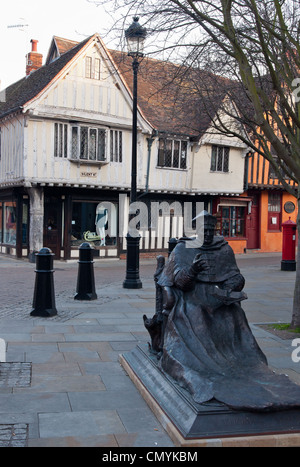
[101, 221]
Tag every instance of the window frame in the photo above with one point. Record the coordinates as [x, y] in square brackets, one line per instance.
[219, 159]
[274, 211]
[172, 153]
[97, 69]
[61, 143]
[116, 146]
[81, 146]
[85, 143]
[92, 68]
[88, 67]
[236, 216]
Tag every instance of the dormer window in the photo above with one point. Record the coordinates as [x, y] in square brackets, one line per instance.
[172, 153]
[220, 159]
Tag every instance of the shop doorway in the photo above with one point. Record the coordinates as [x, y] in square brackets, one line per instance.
[253, 225]
[52, 226]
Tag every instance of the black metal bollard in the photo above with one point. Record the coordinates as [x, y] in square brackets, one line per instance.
[44, 299]
[85, 280]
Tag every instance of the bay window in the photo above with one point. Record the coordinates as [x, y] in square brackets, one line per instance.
[88, 144]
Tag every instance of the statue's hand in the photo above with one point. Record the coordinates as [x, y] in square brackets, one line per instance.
[199, 264]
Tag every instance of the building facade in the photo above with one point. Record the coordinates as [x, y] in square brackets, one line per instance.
[271, 205]
[65, 158]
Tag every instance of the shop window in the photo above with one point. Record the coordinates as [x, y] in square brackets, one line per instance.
[231, 221]
[88, 144]
[94, 222]
[172, 153]
[25, 226]
[10, 223]
[274, 211]
[220, 159]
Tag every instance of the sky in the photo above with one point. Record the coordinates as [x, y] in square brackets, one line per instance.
[70, 19]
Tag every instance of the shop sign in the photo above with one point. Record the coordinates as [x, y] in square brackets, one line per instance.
[88, 174]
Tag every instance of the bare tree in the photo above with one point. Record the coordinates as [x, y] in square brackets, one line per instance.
[255, 46]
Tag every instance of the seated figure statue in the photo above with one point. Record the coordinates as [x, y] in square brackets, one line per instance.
[207, 346]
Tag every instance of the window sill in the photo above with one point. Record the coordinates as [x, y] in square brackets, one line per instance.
[88, 162]
[218, 172]
[230, 239]
[171, 168]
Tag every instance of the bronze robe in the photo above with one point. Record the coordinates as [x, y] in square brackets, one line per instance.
[209, 349]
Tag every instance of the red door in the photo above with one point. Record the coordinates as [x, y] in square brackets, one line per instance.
[252, 232]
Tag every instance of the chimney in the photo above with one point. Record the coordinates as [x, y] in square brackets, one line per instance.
[34, 60]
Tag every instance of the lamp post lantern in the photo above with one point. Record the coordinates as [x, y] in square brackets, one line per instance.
[135, 37]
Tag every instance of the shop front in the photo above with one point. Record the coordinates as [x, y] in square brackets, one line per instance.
[76, 216]
[14, 217]
[94, 221]
[232, 215]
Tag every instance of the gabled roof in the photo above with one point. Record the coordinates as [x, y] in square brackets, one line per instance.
[26, 89]
[174, 99]
[58, 47]
[168, 94]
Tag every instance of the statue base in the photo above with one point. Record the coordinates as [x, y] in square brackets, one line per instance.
[213, 423]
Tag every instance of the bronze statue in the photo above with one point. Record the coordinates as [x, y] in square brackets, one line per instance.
[202, 337]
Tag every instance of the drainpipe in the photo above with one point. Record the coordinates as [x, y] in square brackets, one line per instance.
[149, 143]
[246, 173]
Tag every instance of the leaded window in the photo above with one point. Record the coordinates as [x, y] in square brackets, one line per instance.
[60, 140]
[220, 159]
[116, 146]
[88, 67]
[172, 153]
[88, 143]
[92, 68]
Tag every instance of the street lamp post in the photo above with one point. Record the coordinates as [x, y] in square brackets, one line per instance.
[135, 37]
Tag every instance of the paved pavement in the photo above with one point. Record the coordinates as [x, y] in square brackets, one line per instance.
[62, 383]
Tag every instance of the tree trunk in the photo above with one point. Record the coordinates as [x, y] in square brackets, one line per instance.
[296, 302]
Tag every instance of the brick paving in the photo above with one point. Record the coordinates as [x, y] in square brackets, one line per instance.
[13, 436]
[15, 375]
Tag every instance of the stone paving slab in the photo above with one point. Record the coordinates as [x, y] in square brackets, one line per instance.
[79, 394]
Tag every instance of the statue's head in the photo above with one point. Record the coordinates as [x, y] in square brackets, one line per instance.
[207, 226]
